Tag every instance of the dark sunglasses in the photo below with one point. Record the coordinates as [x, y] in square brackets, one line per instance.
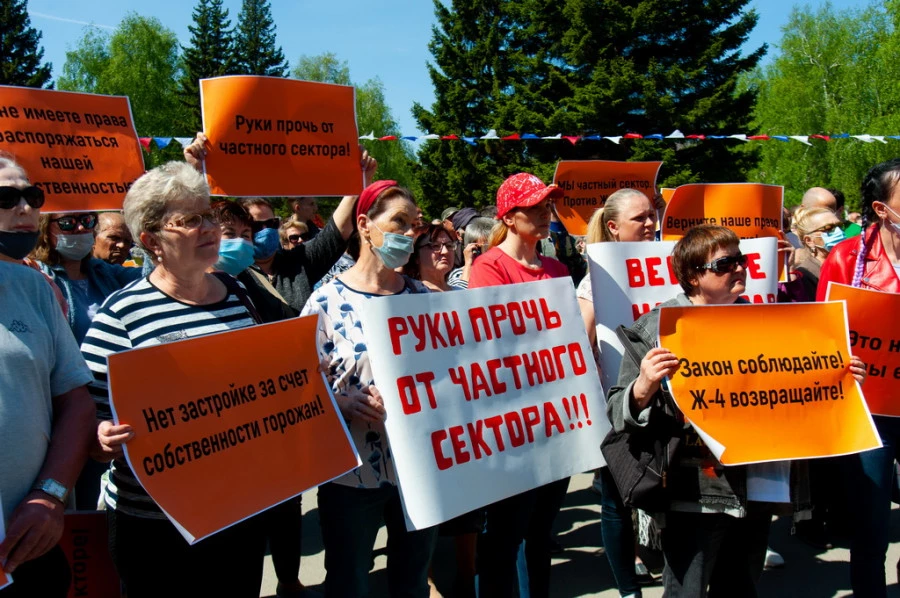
[827, 228]
[258, 225]
[69, 223]
[294, 238]
[726, 264]
[10, 197]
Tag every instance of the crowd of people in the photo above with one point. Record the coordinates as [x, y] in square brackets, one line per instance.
[174, 265]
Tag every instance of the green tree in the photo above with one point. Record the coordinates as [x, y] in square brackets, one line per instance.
[210, 54]
[139, 60]
[20, 48]
[395, 159]
[471, 75]
[836, 73]
[255, 52]
[587, 67]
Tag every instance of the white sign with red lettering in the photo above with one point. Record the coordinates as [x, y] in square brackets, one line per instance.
[630, 279]
[489, 392]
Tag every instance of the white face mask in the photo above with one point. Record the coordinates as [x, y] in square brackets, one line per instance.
[75, 247]
[895, 226]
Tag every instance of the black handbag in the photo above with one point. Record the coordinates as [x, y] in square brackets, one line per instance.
[638, 459]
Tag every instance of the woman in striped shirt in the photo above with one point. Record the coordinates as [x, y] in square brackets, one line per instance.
[168, 213]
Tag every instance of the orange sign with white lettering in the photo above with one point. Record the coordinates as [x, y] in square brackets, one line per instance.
[759, 384]
[587, 184]
[751, 210]
[80, 148]
[230, 424]
[875, 338]
[270, 136]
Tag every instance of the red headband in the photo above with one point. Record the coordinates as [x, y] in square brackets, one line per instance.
[370, 194]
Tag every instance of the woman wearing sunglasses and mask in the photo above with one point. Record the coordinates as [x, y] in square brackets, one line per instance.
[64, 250]
[714, 539]
[871, 261]
[168, 213]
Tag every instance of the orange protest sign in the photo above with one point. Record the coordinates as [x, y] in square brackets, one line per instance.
[759, 385]
[230, 424]
[85, 542]
[80, 148]
[588, 183]
[875, 338]
[749, 209]
[667, 193]
[270, 136]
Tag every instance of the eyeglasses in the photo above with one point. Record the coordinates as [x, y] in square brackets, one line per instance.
[827, 228]
[258, 225]
[728, 264]
[10, 197]
[69, 223]
[449, 246]
[193, 221]
[294, 238]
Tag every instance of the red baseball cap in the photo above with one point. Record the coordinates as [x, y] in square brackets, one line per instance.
[523, 190]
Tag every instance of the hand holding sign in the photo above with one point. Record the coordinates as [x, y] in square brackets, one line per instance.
[657, 364]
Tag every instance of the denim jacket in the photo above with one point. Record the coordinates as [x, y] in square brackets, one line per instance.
[108, 278]
[697, 481]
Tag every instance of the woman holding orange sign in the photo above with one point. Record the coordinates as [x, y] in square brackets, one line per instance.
[168, 213]
[714, 538]
[871, 261]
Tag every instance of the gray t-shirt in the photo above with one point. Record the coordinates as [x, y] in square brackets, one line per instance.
[39, 359]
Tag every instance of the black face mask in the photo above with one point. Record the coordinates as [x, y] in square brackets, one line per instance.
[17, 245]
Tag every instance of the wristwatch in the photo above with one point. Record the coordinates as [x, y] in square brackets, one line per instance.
[53, 488]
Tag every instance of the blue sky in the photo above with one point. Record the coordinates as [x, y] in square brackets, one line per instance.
[386, 38]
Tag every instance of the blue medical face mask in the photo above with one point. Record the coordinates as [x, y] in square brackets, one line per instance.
[235, 256]
[265, 243]
[395, 249]
[833, 238]
[17, 245]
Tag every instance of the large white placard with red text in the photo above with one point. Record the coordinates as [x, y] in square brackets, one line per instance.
[489, 392]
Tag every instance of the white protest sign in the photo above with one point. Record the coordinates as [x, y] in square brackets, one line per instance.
[489, 392]
[630, 279]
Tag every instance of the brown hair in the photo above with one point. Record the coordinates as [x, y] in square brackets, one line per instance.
[429, 234]
[694, 250]
[228, 212]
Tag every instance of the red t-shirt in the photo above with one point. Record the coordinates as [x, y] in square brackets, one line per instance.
[494, 268]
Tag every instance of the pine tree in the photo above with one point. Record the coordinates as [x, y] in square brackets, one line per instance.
[471, 76]
[20, 48]
[255, 52]
[209, 55]
[583, 67]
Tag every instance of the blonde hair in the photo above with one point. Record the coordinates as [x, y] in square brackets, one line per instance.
[7, 160]
[803, 217]
[498, 234]
[598, 228]
[290, 223]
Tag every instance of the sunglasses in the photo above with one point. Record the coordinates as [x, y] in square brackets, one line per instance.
[193, 221]
[10, 197]
[69, 223]
[827, 228]
[726, 264]
[258, 225]
[294, 238]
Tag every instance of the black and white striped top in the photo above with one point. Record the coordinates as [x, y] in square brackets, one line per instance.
[140, 315]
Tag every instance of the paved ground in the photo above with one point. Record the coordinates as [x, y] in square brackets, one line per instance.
[582, 569]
